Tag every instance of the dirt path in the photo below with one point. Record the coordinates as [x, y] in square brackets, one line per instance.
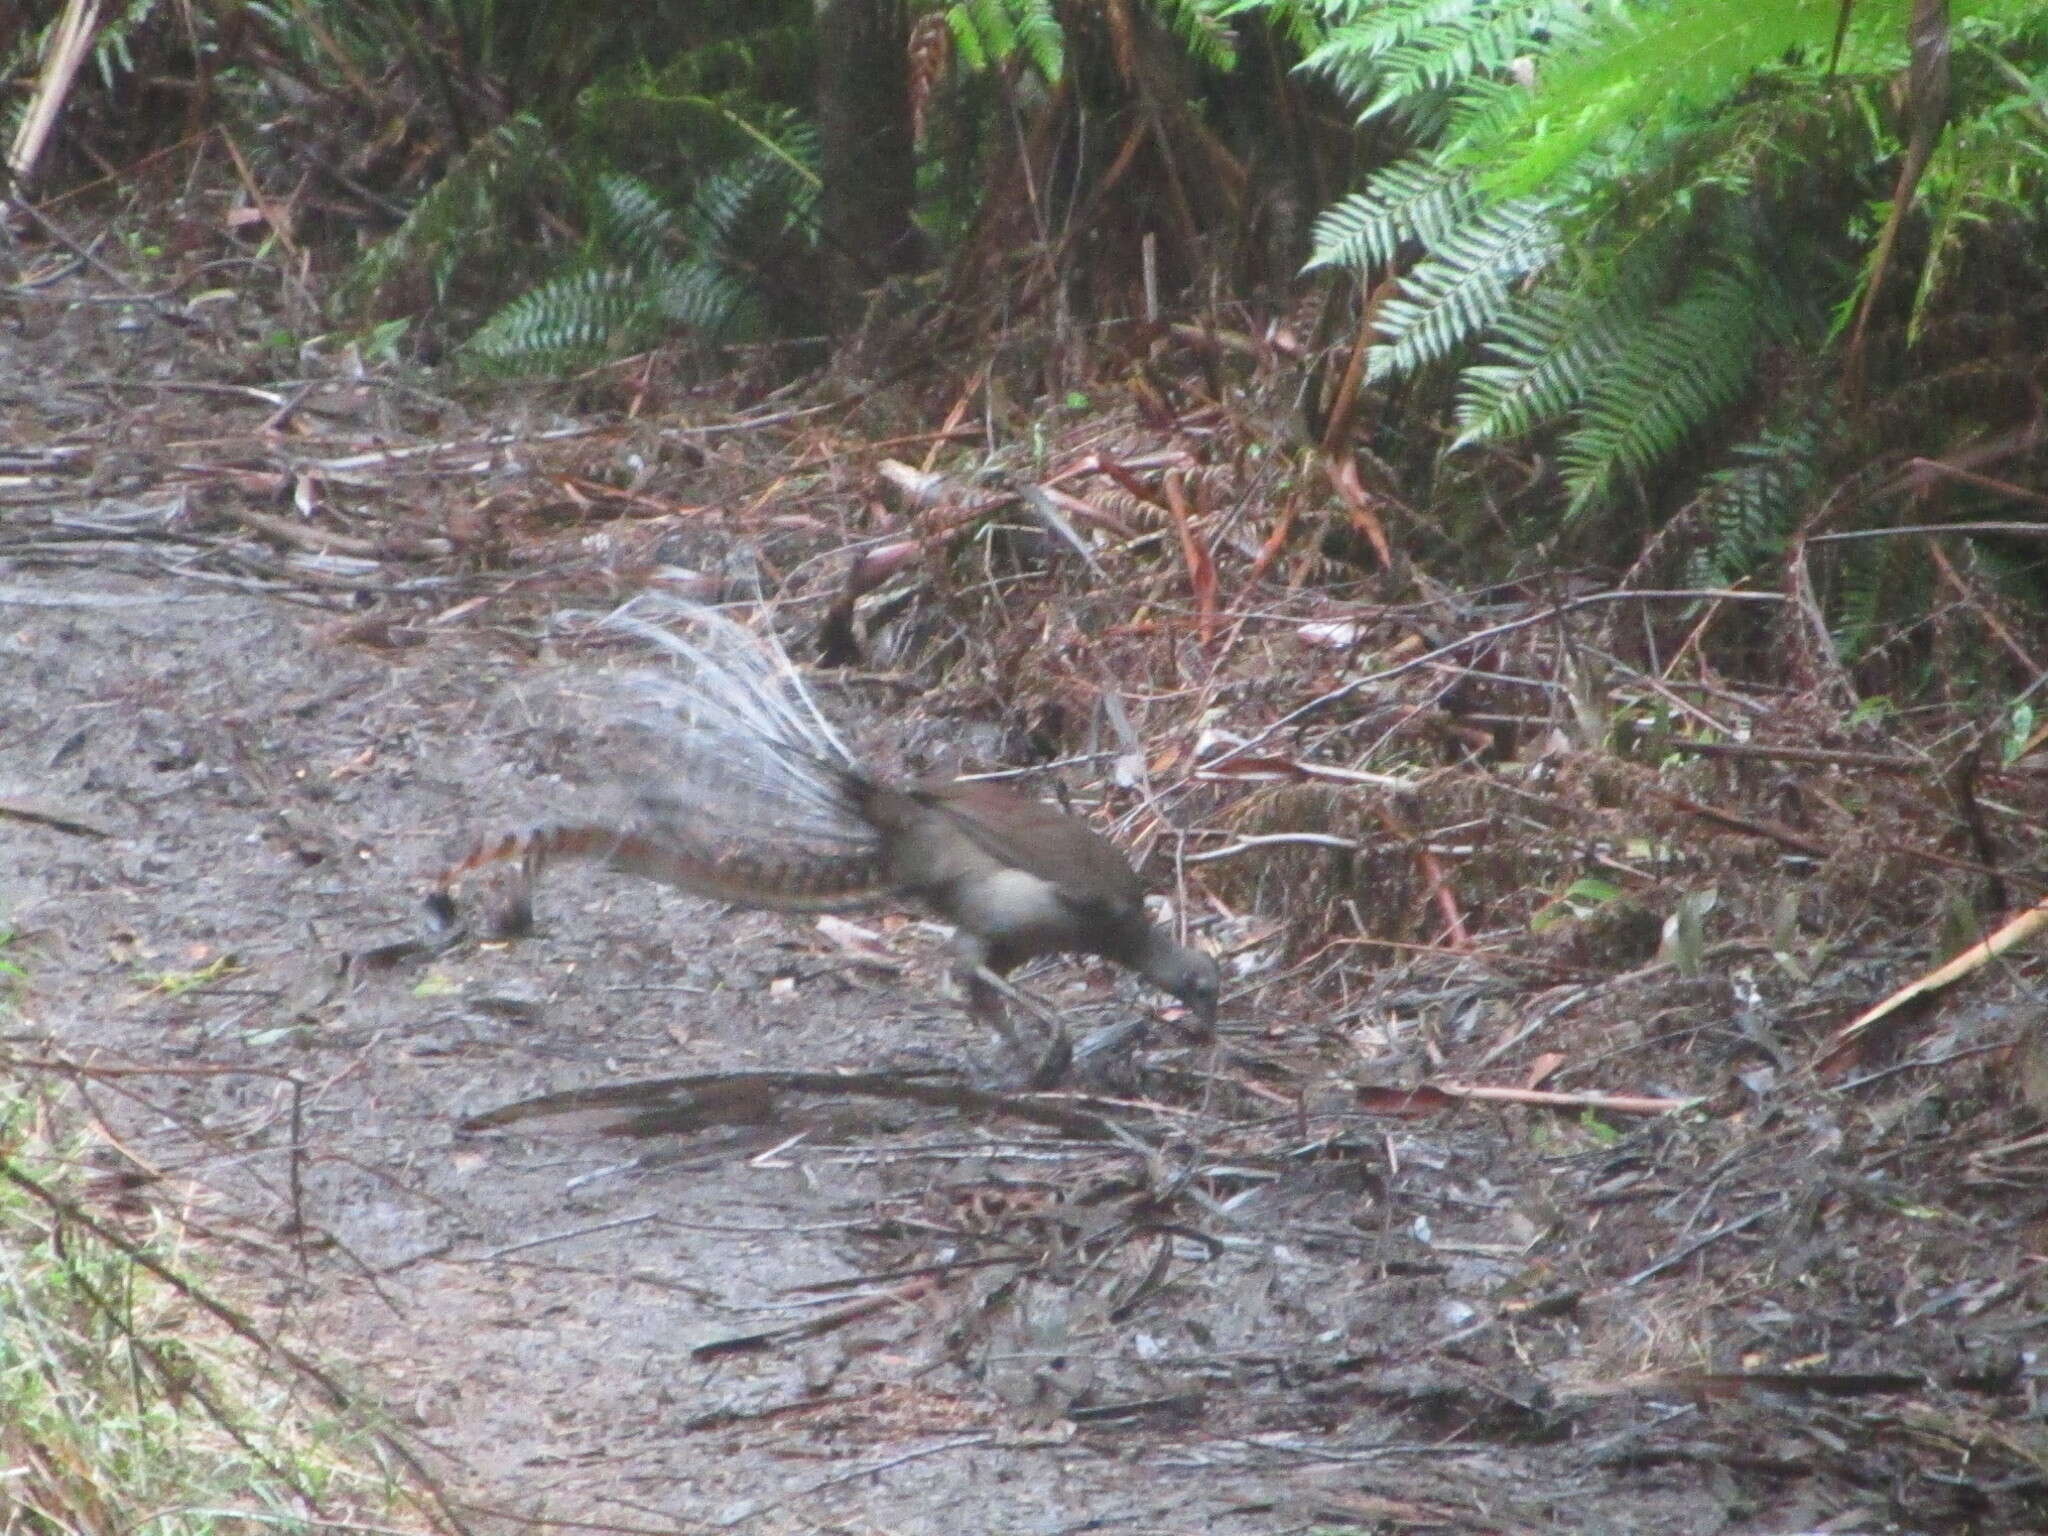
[1330, 1351]
[269, 798]
[1282, 1303]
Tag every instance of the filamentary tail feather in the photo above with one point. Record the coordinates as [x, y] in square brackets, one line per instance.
[753, 797]
[736, 723]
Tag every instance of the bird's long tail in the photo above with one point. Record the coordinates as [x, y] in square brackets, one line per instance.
[743, 792]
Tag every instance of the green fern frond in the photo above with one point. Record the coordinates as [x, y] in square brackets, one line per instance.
[1859, 597]
[1677, 373]
[569, 320]
[464, 212]
[1303, 24]
[1873, 582]
[1044, 39]
[737, 63]
[715, 128]
[628, 216]
[1414, 199]
[706, 299]
[1991, 166]
[1462, 286]
[1550, 349]
[649, 267]
[990, 32]
[1202, 29]
[1634, 66]
[982, 31]
[1441, 57]
[1753, 505]
[781, 180]
[1401, 57]
[1358, 37]
[1709, 164]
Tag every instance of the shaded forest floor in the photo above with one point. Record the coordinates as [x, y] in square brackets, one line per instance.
[272, 651]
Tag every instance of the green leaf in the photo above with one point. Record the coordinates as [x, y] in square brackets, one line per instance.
[2019, 731]
[1592, 889]
[1685, 932]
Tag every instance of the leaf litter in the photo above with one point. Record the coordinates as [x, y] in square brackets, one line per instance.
[1596, 1138]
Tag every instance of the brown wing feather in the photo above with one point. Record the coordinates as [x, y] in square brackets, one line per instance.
[1041, 840]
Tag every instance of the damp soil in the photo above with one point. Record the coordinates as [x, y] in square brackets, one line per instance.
[263, 805]
[1266, 1303]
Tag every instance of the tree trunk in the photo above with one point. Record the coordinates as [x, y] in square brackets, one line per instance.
[864, 119]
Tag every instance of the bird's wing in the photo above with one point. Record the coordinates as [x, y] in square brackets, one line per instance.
[1084, 867]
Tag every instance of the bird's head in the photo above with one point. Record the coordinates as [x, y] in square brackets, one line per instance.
[1192, 975]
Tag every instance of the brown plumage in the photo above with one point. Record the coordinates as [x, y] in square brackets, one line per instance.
[763, 806]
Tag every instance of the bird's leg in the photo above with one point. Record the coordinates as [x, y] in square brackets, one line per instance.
[987, 989]
[509, 917]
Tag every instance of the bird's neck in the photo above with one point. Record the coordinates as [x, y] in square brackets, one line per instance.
[1153, 953]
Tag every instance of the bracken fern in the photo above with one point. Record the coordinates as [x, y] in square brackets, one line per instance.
[1616, 210]
[1752, 505]
[649, 267]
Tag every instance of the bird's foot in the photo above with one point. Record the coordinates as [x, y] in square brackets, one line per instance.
[1054, 1066]
[1045, 1069]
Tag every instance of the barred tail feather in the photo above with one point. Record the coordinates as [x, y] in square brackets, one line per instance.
[752, 798]
[745, 877]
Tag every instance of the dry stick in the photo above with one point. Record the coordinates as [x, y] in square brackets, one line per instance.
[1825, 757]
[954, 417]
[273, 216]
[380, 457]
[1251, 842]
[1572, 997]
[1705, 1239]
[938, 438]
[1916, 472]
[110, 1077]
[295, 1173]
[241, 1326]
[1343, 407]
[563, 1237]
[961, 1442]
[56, 821]
[1276, 539]
[275, 399]
[1432, 873]
[1962, 785]
[315, 541]
[1664, 691]
[1925, 108]
[815, 1327]
[1051, 1111]
[1544, 1098]
[1479, 637]
[2018, 530]
[1754, 826]
[1040, 505]
[1201, 568]
[1820, 756]
[69, 41]
[1799, 591]
[1926, 1064]
[1694, 637]
[1984, 615]
[2008, 937]
[130, 293]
